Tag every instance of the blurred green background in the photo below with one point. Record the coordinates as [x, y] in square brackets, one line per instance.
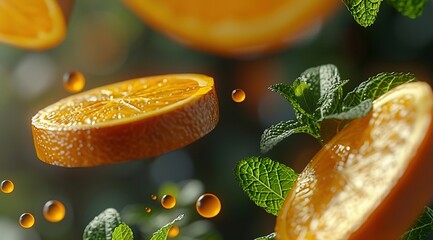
[108, 43]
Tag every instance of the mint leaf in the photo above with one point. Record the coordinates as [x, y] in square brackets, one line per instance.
[276, 133]
[122, 232]
[363, 11]
[357, 111]
[267, 237]
[102, 226]
[422, 227]
[409, 8]
[265, 181]
[162, 233]
[375, 87]
[316, 93]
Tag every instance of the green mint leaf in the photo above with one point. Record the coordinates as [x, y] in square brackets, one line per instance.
[162, 233]
[265, 181]
[363, 11]
[122, 232]
[289, 92]
[422, 227]
[409, 8]
[375, 87]
[267, 237]
[318, 90]
[276, 133]
[357, 111]
[102, 226]
[315, 94]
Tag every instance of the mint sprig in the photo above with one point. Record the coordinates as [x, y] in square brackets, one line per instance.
[162, 233]
[108, 226]
[265, 181]
[122, 232]
[317, 95]
[102, 226]
[422, 227]
[365, 11]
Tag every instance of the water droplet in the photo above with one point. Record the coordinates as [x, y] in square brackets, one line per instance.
[168, 201]
[73, 81]
[148, 209]
[153, 197]
[7, 186]
[238, 95]
[173, 232]
[208, 205]
[27, 220]
[54, 211]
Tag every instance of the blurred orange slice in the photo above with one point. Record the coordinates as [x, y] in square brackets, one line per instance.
[31, 24]
[139, 118]
[234, 27]
[370, 181]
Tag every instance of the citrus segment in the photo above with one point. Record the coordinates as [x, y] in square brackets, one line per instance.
[31, 24]
[138, 118]
[372, 179]
[233, 27]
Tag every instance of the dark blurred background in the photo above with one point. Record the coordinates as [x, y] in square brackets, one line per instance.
[108, 43]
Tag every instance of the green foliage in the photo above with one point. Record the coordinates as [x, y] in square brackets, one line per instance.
[422, 227]
[267, 237]
[162, 233]
[266, 182]
[365, 11]
[375, 87]
[102, 226]
[122, 232]
[317, 95]
[409, 8]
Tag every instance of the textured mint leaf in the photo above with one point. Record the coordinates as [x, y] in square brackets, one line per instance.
[277, 133]
[409, 8]
[317, 92]
[122, 232]
[422, 227]
[289, 92]
[162, 233]
[267, 237]
[375, 87]
[363, 11]
[102, 226]
[265, 181]
[357, 111]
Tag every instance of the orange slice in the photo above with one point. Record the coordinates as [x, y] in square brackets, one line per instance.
[31, 24]
[372, 179]
[233, 27]
[139, 118]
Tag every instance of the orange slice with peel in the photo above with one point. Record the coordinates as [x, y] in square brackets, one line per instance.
[32, 24]
[138, 118]
[372, 180]
[233, 28]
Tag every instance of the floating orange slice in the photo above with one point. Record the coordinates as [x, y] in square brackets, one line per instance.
[139, 118]
[32, 24]
[373, 179]
[233, 27]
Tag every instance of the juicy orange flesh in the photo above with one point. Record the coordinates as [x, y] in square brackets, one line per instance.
[353, 175]
[221, 10]
[119, 101]
[27, 17]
